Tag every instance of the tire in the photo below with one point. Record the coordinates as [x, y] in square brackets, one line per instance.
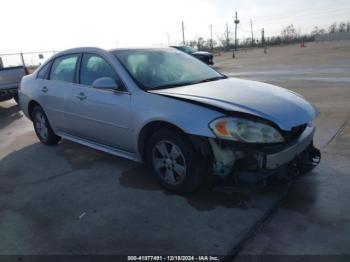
[175, 163]
[42, 127]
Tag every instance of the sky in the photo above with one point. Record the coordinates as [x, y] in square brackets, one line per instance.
[40, 25]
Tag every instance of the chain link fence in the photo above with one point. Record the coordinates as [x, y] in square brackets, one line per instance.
[29, 59]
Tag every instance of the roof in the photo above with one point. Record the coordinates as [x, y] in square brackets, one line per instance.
[96, 49]
[140, 49]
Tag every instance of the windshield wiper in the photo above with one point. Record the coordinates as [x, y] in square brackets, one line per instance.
[171, 85]
[189, 83]
[212, 79]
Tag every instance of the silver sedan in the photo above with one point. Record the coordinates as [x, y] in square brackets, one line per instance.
[162, 106]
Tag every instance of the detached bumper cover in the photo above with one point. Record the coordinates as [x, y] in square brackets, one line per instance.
[297, 157]
[292, 151]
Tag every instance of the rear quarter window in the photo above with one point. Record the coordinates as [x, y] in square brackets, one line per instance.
[43, 73]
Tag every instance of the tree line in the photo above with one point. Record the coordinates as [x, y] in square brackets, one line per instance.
[288, 35]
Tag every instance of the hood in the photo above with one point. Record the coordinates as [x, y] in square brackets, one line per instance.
[281, 106]
[202, 53]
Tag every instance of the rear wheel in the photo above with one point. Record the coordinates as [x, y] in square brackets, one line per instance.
[174, 162]
[42, 127]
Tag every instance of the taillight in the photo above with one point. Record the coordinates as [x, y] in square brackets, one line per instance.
[26, 71]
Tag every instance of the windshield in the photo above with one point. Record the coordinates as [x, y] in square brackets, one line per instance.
[187, 49]
[165, 68]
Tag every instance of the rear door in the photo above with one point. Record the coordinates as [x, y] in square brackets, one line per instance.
[101, 116]
[55, 88]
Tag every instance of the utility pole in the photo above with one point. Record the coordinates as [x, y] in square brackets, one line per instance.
[22, 58]
[251, 29]
[263, 38]
[183, 33]
[263, 42]
[211, 36]
[227, 36]
[236, 23]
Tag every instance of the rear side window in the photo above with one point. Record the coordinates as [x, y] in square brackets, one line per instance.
[63, 68]
[43, 73]
[94, 67]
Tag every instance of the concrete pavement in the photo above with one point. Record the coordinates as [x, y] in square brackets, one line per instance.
[313, 222]
[69, 199]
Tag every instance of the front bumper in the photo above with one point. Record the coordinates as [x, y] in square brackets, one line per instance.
[300, 155]
[294, 149]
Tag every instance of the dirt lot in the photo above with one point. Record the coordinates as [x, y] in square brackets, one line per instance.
[70, 199]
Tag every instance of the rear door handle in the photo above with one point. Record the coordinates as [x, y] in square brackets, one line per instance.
[81, 96]
[44, 89]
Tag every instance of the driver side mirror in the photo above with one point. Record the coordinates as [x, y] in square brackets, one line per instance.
[105, 83]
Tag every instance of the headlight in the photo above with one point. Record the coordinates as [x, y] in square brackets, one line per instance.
[244, 130]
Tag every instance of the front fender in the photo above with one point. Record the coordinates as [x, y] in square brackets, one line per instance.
[190, 118]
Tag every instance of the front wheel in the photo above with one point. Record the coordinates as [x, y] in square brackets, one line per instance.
[175, 163]
[42, 127]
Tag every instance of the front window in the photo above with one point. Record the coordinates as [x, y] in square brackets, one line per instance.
[165, 68]
[94, 67]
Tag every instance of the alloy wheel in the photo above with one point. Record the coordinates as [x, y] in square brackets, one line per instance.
[41, 125]
[169, 162]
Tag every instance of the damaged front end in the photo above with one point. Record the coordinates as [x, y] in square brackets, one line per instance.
[257, 162]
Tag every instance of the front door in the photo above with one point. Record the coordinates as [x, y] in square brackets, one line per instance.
[101, 116]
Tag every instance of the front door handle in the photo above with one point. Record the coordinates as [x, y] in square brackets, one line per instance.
[81, 96]
[44, 89]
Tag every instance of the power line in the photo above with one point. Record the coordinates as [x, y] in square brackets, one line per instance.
[304, 15]
[273, 21]
[28, 53]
